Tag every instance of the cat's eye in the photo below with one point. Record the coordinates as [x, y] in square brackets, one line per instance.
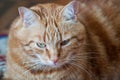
[41, 45]
[65, 42]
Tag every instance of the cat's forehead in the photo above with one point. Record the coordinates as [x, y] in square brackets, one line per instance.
[52, 35]
[49, 17]
[55, 28]
[47, 10]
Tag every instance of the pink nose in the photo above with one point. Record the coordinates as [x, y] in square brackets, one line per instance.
[55, 60]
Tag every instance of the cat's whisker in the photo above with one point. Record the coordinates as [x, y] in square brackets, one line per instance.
[31, 61]
[79, 59]
[74, 69]
[73, 74]
[84, 69]
[63, 61]
[68, 72]
[79, 56]
[31, 67]
[84, 58]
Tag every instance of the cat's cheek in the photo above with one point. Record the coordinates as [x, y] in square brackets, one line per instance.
[47, 63]
[39, 57]
[44, 60]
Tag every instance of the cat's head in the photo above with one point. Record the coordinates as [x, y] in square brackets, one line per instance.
[51, 35]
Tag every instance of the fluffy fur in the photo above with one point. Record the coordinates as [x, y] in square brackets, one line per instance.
[81, 42]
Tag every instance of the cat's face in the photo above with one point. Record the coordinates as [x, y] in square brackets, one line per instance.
[51, 37]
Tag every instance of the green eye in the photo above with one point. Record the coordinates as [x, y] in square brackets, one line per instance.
[41, 45]
[65, 42]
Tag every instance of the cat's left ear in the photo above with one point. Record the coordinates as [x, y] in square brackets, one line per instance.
[70, 10]
[27, 15]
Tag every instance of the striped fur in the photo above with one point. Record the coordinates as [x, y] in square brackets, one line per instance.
[93, 51]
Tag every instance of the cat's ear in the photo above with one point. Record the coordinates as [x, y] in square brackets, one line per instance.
[27, 15]
[70, 10]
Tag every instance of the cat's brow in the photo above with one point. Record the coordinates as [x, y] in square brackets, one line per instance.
[73, 37]
[28, 43]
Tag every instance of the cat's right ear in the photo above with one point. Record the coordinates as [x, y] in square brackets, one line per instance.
[27, 15]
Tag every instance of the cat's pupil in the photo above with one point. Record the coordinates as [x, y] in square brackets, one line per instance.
[65, 42]
[41, 45]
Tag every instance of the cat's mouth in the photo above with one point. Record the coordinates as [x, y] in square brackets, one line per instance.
[48, 63]
[47, 68]
[55, 65]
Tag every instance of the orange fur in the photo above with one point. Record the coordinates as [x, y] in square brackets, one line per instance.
[81, 42]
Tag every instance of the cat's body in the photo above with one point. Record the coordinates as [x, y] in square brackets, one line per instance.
[80, 41]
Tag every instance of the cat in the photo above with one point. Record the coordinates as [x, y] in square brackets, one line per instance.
[78, 41]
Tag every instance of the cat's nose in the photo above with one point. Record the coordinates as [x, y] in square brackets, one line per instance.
[55, 60]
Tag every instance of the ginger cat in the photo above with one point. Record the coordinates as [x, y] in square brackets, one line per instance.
[78, 41]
